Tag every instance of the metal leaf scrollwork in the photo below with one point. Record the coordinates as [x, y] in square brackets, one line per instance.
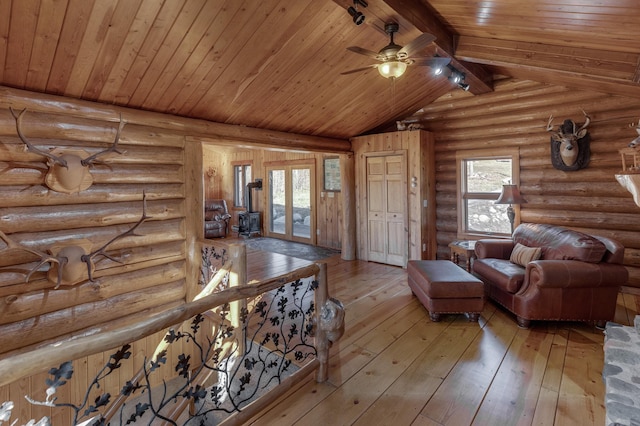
[273, 339]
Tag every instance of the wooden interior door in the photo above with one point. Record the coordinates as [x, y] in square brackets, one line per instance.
[386, 209]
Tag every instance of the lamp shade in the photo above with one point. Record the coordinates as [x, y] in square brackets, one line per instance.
[392, 69]
[510, 195]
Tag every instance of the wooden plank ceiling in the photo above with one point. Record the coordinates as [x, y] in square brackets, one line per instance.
[276, 64]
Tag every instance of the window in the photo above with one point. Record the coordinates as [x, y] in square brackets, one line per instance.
[480, 178]
[241, 177]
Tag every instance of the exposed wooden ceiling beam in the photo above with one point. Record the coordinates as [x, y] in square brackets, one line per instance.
[589, 69]
[419, 16]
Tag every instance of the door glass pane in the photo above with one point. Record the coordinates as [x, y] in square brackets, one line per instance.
[277, 203]
[301, 191]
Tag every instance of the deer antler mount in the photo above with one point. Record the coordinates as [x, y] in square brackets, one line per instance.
[69, 169]
[570, 144]
[73, 261]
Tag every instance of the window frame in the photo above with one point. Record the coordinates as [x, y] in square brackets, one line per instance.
[461, 189]
[240, 204]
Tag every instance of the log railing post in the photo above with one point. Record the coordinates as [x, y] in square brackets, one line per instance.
[322, 343]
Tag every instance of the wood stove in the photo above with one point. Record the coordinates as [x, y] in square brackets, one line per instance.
[249, 222]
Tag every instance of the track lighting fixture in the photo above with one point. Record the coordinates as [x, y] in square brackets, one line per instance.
[455, 77]
[358, 17]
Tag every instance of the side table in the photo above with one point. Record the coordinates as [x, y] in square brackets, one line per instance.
[464, 248]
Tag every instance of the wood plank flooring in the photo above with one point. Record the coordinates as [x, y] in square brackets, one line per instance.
[395, 367]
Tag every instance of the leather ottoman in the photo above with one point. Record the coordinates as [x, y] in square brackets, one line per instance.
[445, 288]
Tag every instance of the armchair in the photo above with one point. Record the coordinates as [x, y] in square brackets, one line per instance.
[216, 219]
[576, 276]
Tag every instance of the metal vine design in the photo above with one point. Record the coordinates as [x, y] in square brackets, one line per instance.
[211, 261]
[274, 339]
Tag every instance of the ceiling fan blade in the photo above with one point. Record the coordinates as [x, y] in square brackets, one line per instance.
[359, 69]
[364, 52]
[416, 45]
[432, 62]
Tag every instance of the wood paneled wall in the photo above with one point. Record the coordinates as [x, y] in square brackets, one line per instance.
[328, 204]
[515, 115]
[418, 147]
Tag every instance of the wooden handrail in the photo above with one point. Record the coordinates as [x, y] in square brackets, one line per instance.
[25, 361]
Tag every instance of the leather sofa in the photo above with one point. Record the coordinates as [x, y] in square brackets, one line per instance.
[576, 278]
[216, 219]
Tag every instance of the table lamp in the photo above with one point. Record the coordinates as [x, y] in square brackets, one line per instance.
[510, 195]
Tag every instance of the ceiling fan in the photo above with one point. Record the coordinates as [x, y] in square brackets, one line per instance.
[394, 59]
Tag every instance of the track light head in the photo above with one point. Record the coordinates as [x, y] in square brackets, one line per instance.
[455, 77]
[464, 86]
[358, 17]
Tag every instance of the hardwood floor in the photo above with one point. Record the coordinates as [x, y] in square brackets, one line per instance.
[394, 366]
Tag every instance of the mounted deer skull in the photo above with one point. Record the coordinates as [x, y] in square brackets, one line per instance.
[73, 262]
[569, 144]
[68, 171]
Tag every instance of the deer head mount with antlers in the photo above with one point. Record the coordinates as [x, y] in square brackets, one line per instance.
[73, 261]
[69, 170]
[570, 144]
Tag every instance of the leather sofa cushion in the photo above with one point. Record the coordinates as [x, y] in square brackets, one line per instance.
[559, 243]
[501, 273]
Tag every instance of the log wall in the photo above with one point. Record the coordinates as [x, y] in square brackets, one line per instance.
[152, 271]
[515, 115]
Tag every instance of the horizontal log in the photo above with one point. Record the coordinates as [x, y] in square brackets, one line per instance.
[571, 219]
[577, 189]
[13, 279]
[33, 304]
[634, 278]
[52, 104]
[14, 150]
[135, 174]
[501, 100]
[16, 196]
[622, 204]
[553, 175]
[41, 128]
[65, 321]
[42, 219]
[15, 364]
[151, 235]
[632, 256]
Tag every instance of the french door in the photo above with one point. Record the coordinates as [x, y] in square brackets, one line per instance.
[290, 211]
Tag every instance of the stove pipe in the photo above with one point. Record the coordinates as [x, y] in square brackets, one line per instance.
[251, 185]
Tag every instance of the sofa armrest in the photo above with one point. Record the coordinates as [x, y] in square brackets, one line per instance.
[574, 273]
[495, 249]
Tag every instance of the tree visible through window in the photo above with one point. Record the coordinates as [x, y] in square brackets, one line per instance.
[480, 180]
[241, 176]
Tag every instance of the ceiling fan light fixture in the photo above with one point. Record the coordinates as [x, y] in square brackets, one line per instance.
[392, 69]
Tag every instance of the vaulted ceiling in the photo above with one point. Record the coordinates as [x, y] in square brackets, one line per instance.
[277, 64]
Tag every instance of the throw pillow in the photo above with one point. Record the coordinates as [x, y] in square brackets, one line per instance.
[521, 255]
